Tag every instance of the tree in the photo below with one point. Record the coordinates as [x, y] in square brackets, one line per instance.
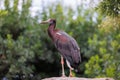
[105, 44]
[109, 7]
[14, 47]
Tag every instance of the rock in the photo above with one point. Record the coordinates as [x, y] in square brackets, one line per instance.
[76, 78]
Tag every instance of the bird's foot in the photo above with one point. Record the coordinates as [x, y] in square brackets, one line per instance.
[63, 75]
[71, 75]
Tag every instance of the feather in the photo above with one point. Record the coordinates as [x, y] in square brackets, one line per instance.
[68, 48]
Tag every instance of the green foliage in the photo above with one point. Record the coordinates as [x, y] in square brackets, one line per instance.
[106, 60]
[109, 7]
[95, 69]
[105, 45]
[14, 46]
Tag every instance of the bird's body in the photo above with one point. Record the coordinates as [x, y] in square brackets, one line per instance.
[66, 45]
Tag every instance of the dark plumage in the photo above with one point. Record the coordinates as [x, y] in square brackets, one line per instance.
[68, 48]
[65, 44]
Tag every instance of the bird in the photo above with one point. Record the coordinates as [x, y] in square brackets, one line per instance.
[66, 45]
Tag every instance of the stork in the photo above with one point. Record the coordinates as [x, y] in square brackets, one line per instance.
[66, 45]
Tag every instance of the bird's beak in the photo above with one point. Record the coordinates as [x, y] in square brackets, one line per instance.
[45, 22]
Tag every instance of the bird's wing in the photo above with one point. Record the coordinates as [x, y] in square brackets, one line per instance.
[68, 47]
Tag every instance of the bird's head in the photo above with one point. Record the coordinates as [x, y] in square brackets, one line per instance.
[49, 21]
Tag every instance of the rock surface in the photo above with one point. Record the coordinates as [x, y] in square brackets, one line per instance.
[76, 78]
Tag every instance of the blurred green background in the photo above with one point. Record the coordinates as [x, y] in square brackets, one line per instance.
[27, 53]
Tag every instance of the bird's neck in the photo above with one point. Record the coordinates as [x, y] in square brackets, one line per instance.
[51, 30]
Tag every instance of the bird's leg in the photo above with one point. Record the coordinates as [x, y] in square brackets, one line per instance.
[62, 63]
[70, 74]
